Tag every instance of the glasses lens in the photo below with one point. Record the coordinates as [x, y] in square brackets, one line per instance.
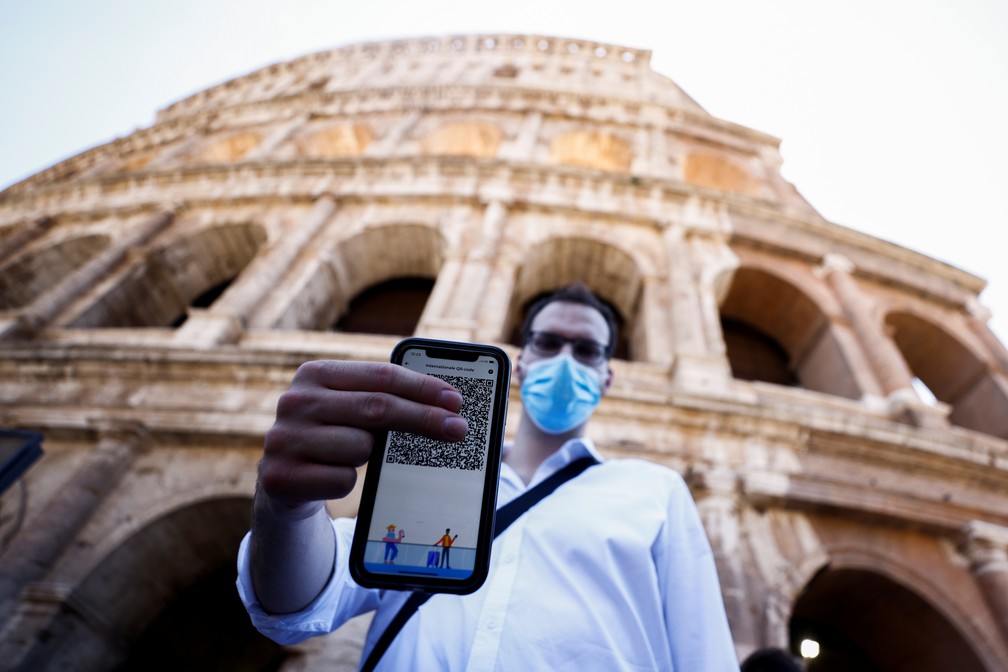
[588, 352]
[584, 349]
[545, 343]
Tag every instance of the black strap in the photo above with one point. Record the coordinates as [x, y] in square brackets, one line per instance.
[505, 515]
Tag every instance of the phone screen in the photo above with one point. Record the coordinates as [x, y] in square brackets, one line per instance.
[428, 515]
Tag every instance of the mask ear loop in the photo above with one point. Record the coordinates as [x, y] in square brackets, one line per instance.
[520, 368]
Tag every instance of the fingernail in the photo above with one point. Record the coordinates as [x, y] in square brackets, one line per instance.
[456, 427]
[450, 400]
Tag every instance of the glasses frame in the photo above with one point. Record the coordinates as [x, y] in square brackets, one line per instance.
[574, 342]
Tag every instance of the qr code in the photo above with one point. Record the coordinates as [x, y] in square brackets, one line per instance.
[468, 454]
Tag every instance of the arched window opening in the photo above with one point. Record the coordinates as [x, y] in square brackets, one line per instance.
[952, 373]
[924, 392]
[335, 142]
[392, 307]
[764, 315]
[591, 149]
[229, 149]
[191, 271]
[28, 277]
[717, 172]
[755, 356]
[204, 300]
[612, 275]
[620, 351]
[463, 138]
[864, 621]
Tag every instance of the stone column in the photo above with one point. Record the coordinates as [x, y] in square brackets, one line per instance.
[223, 322]
[885, 359]
[719, 504]
[887, 363]
[462, 282]
[42, 311]
[977, 317]
[194, 137]
[37, 547]
[651, 152]
[393, 138]
[985, 545]
[524, 144]
[276, 138]
[699, 362]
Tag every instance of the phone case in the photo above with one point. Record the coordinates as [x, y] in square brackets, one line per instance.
[427, 507]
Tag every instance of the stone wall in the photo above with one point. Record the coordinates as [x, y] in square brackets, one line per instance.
[158, 292]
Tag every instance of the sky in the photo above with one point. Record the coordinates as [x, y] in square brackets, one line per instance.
[892, 113]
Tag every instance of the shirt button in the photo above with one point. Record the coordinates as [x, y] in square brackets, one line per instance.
[491, 624]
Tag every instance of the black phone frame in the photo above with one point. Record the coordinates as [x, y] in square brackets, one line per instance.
[369, 579]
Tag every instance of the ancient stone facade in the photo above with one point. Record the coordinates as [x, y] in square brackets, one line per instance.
[158, 292]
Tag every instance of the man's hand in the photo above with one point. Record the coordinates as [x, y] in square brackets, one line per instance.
[323, 432]
[325, 423]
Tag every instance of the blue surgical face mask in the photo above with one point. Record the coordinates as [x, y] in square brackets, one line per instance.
[560, 393]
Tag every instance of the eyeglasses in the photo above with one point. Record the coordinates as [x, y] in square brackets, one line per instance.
[585, 350]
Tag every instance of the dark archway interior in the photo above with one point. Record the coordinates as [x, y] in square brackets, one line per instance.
[755, 356]
[392, 307]
[204, 300]
[166, 600]
[865, 622]
[204, 629]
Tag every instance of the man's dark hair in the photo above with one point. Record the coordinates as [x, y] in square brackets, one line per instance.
[577, 292]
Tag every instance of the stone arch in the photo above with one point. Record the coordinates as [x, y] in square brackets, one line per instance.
[612, 273]
[228, 149]
[392, 250]
[194, 268]
[374, 256]
[828, 570]
[954, 373]
[174, 577]
[591, 149]
[776, 332]
[704, 169]
[463, 138]
[335, 141]
[870, 619]
[27, 277]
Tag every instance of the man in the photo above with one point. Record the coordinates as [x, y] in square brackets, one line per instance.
[445, 543]
[612, 571]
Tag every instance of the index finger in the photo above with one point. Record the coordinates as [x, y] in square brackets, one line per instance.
[381, 377]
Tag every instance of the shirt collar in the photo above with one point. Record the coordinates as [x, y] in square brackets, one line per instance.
[571, 450]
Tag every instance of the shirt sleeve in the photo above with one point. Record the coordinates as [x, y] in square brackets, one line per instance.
[339, 601]
[698, 631]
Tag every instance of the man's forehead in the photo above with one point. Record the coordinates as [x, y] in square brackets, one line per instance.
[570, 314]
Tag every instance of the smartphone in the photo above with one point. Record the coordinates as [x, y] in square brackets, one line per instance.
[427, 508]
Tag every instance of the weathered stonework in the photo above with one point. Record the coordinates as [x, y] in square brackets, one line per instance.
[158, 292]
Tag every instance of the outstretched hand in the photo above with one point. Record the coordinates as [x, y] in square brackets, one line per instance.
[325, 423]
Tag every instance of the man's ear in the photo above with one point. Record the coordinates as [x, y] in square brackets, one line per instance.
[519, 369]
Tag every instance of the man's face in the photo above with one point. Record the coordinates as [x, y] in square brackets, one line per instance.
[572, 321]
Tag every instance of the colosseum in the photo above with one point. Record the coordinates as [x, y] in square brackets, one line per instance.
[837, 403]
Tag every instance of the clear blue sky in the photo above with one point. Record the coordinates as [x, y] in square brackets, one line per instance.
[892, 112]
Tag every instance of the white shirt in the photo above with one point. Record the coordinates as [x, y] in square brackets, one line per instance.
[612, 571]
